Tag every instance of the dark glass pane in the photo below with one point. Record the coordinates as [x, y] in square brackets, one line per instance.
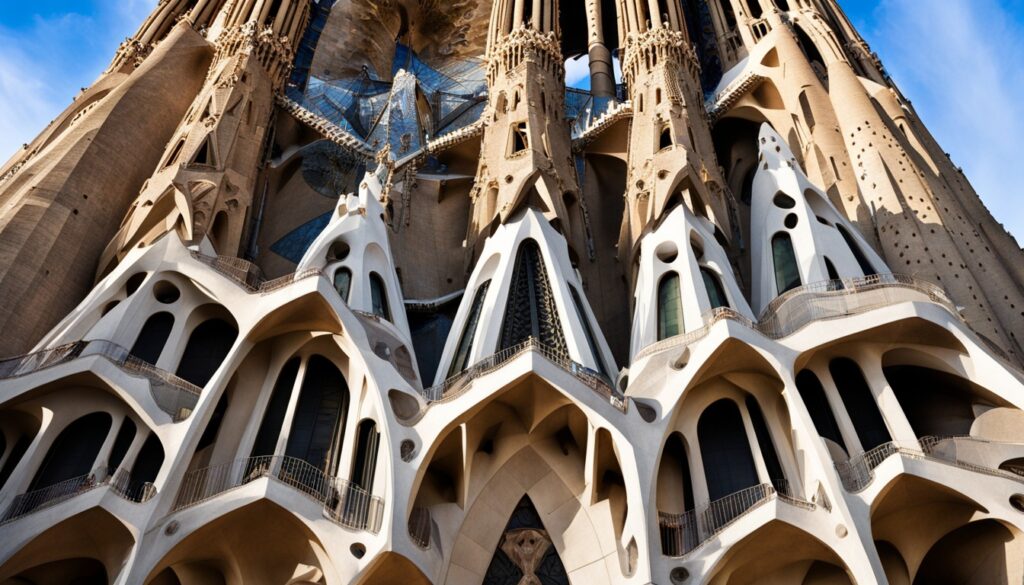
[716, 293]
[764, 442]
[581, 314]
[530, 310]
[147, 465]
[125, 436]
[787, 272]
[379, 297]
[670, 307]
[365, 464]
[343, 282]
[319, 414]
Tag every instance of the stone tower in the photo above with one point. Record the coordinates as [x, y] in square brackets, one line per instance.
[359, 291]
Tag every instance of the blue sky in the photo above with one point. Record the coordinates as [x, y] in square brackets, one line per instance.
[961, 62]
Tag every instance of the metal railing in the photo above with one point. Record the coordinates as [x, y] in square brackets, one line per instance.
[857, 473]
[682, 533]
[420, 527]
[831, 299]
[123, 485]
[173, 395]
[248, 276]
[44, 497]
[344, 502]
[458, 384]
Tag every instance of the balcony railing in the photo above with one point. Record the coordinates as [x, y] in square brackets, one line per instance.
[832, 299]
[175, 396]
[458, 384]
[344, 502]
[858, 472]
[120, 483]
[249, 277]
[682, 533]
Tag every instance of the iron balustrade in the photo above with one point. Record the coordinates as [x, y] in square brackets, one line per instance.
[120, 483]
[458, 384]
[830, 299]
[343, 502]
[857, 473]
[249, 277]
[173, 395]
[683, 533]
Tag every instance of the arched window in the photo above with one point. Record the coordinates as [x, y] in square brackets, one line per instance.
[860, 403]
[755, 8]
[343, 282]
[123, 441]
[670, 307]
[319, 420]
[364, 465]
[813, 395]
[713, 286]
[865, 265]
[151, 340]
[207, 347]
[465, 347]
[530, 311]
[767, 446]
[787, 272]
[273, 416]
[830, 268]
[147, 466]
[74, 451]
[728, 464]
[379, 297]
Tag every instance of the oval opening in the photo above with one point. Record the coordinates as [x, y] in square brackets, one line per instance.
[790, 221]
[166, 292]
[667, 252]
[784, 201]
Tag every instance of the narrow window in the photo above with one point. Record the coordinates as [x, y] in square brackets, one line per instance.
[364, 465]
[581, 314]
[805, 106]
[787, 273]
[765, 443]
[835, 282]
[147, 466]
[379, 297]
[465, 347]
[860, 403]
[670, 308]
[657, 96]
[520, 141]
[343, 282]
[728, 463]
[713, 286]
[531, 311]
[862, 260]
[125, 436]
[207, 347]
[755, 8]
[319, 420]
[273, 416]
[665, 139]
[204, 156]
[176, 152]
[813, 395]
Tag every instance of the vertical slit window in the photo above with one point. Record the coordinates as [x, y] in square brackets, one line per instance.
[379, 297]
[862, 260]
[343, 282]
[860, 403]
[465, 347]
[365, 464]
[787, 272]
[530, 311]
[273, 416]
[670, 307]
[151, 340]
[581, 314]
[765, 443]
[813, 395]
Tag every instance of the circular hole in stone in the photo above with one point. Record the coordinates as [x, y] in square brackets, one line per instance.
[790, 221]
[666, 252]
[172, 527]
[1017, 501]
[134, 283]
[358, 550]
[784, 201]
[679, 575]
[339, 251]
[166, 292]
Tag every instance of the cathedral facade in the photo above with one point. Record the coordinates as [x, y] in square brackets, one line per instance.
[359, 291]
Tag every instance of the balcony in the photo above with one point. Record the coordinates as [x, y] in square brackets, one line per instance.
[683, 533]
[821, 301]
[460, 383]
[249, 277]
[173, 395]
[858, 472]
[343, 502]
[120, 483]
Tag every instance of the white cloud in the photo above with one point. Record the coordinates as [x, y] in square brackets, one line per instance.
[963, 67]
